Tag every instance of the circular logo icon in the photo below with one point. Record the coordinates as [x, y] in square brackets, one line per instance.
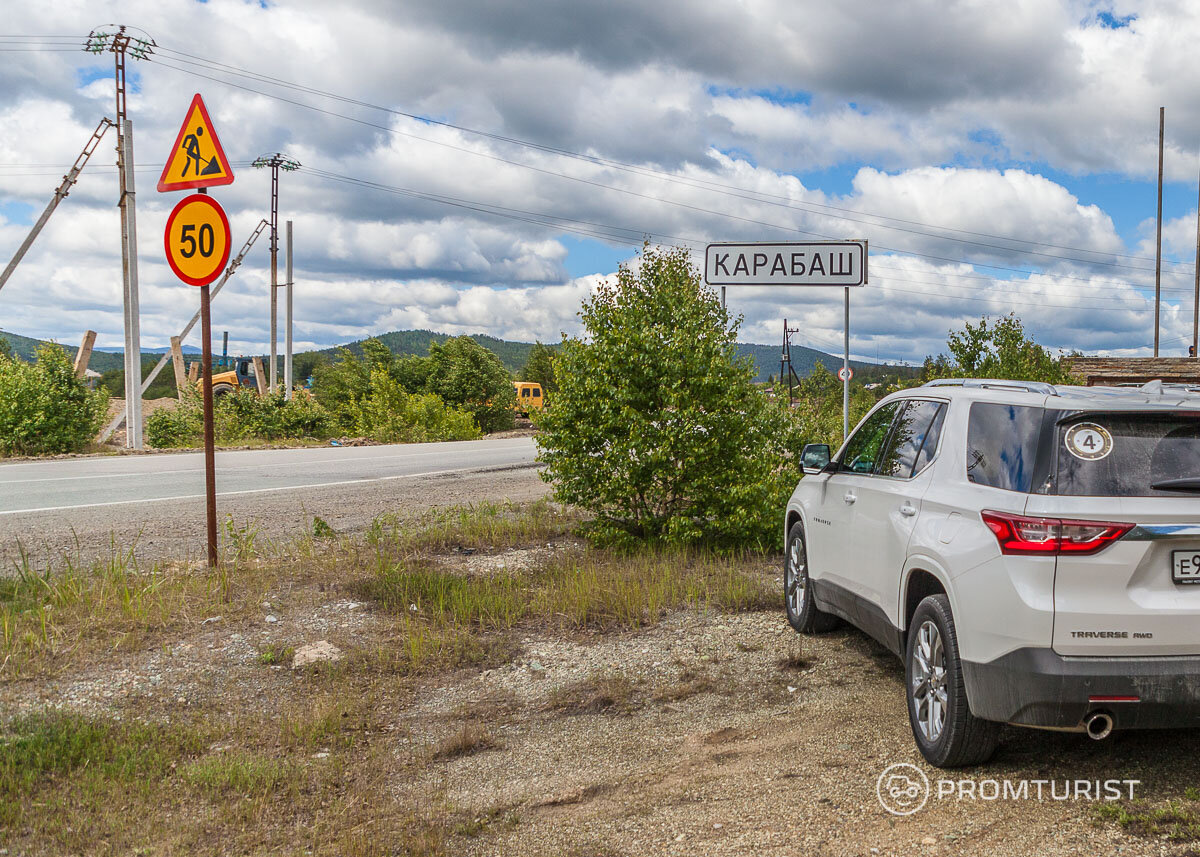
[1088, 441]
[845, 373]
[902, 789]
[197, 239]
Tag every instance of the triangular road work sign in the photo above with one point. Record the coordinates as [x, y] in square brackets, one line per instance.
[197, 159]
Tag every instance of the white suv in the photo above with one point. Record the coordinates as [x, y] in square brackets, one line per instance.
[1032, 552]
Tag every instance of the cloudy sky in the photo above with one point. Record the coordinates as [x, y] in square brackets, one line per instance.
[480, 167]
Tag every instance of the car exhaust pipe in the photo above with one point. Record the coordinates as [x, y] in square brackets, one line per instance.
[1099, 725]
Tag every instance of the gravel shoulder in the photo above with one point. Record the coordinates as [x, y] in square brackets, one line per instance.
[706, 733]
[175, 528]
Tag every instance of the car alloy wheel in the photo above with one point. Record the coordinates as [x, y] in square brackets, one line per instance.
[929, 681]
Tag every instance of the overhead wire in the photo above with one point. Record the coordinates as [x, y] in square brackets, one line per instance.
[758, 196]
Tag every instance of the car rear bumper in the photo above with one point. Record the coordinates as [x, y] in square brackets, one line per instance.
[1038, 687]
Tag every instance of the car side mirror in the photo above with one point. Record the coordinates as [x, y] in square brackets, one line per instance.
[814, 457]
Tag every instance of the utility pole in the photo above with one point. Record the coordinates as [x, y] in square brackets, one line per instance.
[120, 44]
[1196, 297]
[276, 161]
[1158, 237]
[287, 330]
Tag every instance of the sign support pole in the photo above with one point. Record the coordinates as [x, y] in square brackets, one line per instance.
[846, 367]
[210, 454]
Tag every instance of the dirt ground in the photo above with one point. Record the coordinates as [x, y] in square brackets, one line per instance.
[711, 734]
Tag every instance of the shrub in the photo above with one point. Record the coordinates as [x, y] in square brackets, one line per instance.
[182, 425]
[657, 427]
[239, 416]
[44, 408]
[389, 414]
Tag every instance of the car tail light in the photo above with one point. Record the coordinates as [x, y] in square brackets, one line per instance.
[1019, 534]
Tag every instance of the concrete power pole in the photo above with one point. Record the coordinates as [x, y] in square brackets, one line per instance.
[276, 162]
[287, 329]
[120, 44]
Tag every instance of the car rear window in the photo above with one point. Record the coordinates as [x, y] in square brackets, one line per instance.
[1002, 442]
[1125, 455]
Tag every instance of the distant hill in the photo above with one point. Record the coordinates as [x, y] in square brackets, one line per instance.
[26, 348]
[512, 354]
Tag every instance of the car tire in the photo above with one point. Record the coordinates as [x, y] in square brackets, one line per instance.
[222, 390]
[802, 612]
[947, 733]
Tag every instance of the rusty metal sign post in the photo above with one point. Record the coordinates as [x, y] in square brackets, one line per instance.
[197, 244]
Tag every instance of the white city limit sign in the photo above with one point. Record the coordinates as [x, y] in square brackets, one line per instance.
[791, 263]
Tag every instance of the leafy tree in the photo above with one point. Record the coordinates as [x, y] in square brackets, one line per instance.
[996, 349]
[5, 348]
[44, 408]
[657, 428]
[468, 376]
[539, 368]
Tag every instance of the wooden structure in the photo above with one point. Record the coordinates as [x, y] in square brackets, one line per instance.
[1111, 371]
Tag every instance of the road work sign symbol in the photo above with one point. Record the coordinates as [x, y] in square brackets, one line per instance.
[197, 239]
[197, 159]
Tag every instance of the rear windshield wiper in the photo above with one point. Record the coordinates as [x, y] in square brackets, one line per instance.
[1187, 483]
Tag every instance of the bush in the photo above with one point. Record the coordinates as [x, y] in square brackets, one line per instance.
[657, 427]
[44, 408]
[239, 416]
[389, 414]
[182, 425]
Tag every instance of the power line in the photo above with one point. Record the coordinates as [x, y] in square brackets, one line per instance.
[738, 192]
[626, 191]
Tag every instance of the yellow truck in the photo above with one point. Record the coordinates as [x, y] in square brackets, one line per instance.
[529, 397]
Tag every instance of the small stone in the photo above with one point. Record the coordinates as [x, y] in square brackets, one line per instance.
[266, 605]
[211, 619]
[324, 754]
[718, 826]
[681, 837]
[536, 667]
[270, 620]
[322, 650]
[182, 700]
[791, 689]
[929, 840]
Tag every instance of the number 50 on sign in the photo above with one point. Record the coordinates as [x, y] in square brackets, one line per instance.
[197, 239]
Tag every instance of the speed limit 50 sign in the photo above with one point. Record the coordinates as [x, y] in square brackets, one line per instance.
[197, 239]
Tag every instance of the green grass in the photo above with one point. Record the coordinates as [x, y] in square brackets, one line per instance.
[583, 588]
[39, 749]
[476, 526]
[1176, 820]
[239, 773]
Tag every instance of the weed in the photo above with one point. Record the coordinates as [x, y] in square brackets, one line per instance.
[322, 530]
[794, 661]
[242, 541]
[603, 693]
[690, 683]
[1174, 821]
[471, 738]
[275, 655]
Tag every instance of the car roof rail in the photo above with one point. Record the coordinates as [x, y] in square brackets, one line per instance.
[995, 383]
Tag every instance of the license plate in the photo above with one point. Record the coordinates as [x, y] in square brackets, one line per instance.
[1185, 566]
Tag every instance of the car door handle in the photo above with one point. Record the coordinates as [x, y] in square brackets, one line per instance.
[850, 498]
[908, 510]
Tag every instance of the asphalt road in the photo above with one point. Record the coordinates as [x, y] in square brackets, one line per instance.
[156, 502]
